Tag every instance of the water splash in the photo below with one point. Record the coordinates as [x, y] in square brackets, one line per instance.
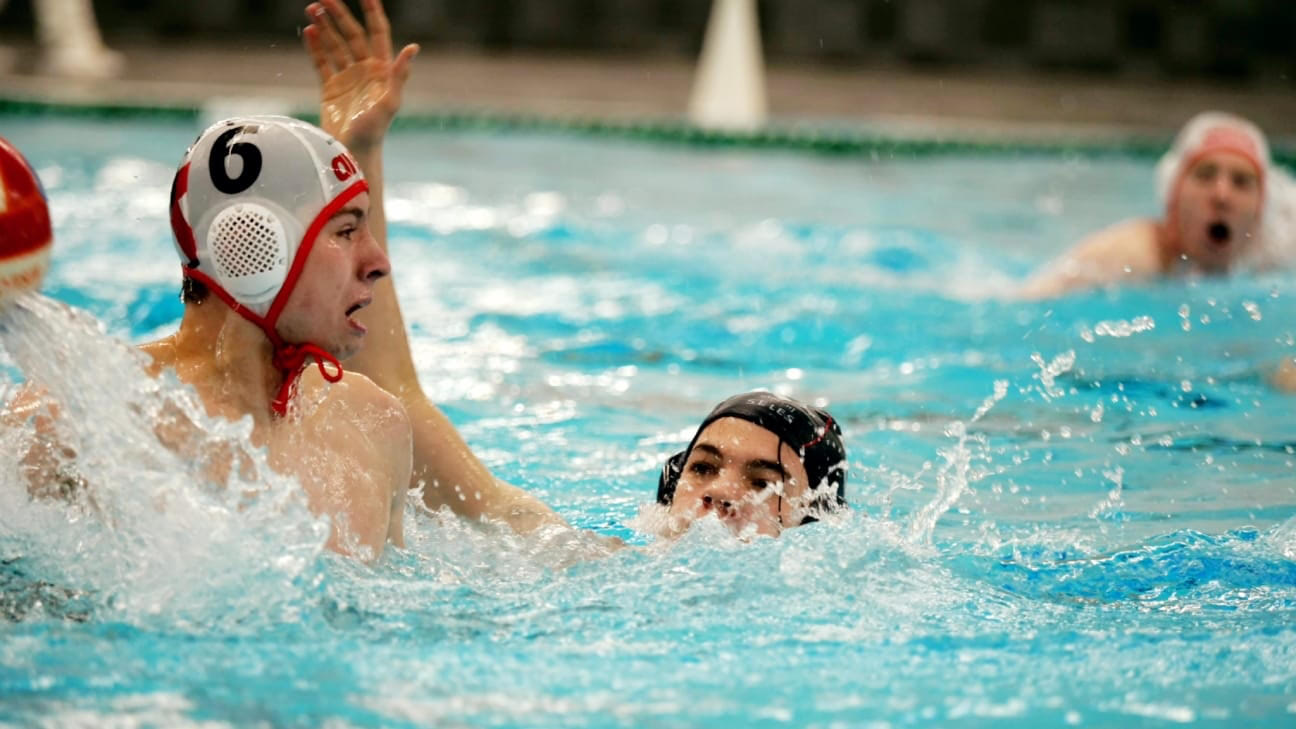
[1112, 503]
[1119, 328]
[1048, 373]
[152, 531]
[954, 477]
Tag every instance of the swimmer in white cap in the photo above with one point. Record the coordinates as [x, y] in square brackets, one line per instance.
[1225, 207]
[270, 221]
[357, 106]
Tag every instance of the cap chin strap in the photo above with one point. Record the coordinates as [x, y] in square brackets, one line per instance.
[289, 359]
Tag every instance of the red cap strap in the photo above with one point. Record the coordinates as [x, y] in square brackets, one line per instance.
[291, 361]
[828, 423]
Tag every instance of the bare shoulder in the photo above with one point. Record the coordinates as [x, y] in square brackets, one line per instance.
[1130, 244]
[362, 402]
[1124, 251]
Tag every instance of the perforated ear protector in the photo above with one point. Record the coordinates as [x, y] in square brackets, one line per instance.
[249, 249]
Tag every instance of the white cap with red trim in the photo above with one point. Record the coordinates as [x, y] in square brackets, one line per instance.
[1213, 131]
[1210, 131]
[247, 194]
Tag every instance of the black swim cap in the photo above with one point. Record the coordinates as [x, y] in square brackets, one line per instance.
[811, 432]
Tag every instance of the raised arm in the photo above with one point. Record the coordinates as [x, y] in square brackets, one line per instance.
[361, 83]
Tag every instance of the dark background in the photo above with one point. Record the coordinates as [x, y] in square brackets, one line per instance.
[1229, 40]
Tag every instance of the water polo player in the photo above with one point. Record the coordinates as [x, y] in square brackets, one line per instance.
[1224, 207]
[270, 217]
[759, 463]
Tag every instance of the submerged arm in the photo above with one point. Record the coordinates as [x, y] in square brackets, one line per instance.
[360, 94]
[47, 466]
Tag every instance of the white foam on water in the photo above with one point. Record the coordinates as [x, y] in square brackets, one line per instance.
[1283, 538]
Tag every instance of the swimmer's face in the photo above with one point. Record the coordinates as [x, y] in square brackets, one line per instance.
[741, 473]
[1218, 209]
[337, 281]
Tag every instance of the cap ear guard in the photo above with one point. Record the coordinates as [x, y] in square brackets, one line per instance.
[669, 478]
[249, 249]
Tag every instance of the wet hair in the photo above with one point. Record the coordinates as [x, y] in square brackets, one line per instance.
[811, 432]
[193, 292]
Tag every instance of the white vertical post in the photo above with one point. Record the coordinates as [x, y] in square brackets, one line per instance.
[729, 88]
[70, 39]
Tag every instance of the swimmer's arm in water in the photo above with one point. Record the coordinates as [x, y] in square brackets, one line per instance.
[361, 87]
[1126, 251]
[48, 465]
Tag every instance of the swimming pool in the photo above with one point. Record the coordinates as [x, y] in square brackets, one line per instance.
[1067, 513]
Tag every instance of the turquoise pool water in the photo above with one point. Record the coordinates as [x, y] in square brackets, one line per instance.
[1077, 513]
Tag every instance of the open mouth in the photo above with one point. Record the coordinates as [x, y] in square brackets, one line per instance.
[1219, 233]
[352, 311]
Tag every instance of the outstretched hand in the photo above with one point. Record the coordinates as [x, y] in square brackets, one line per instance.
[360, 82]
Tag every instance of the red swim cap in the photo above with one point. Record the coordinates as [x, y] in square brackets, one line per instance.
[25, 232]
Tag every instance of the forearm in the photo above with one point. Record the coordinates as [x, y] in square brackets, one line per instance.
[385, 358]
[451, 475]
[49, 463]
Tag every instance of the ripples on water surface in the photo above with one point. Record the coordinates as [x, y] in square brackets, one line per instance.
[1109, 542]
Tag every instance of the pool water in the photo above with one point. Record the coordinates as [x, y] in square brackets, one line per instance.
[1069, 513]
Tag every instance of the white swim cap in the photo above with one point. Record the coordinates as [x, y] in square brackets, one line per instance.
[1210, 131]
[1214, 131]
[247, 204]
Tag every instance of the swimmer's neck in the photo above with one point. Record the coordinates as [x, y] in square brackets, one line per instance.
[225, 357]
[1175, 259]
[1169, 252]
